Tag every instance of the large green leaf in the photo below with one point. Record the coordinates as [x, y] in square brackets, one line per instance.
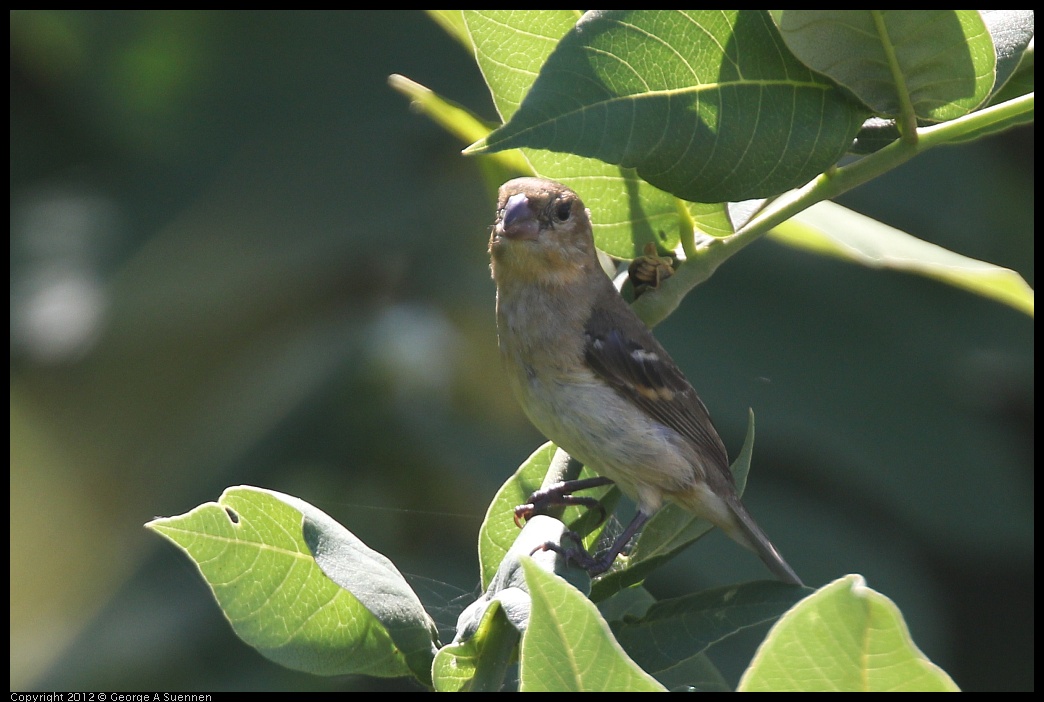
[1011, 32]
[707, 105]
[302, 589]
[627, 212]
[568, 647]
[511, 46]
[844, 638]
[939, 62]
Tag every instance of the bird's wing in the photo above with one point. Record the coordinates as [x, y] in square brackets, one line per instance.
[621, 349]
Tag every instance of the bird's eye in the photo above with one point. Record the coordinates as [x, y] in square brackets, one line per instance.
[562, 210]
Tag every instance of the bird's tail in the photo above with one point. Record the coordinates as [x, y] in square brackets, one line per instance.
[747, 532]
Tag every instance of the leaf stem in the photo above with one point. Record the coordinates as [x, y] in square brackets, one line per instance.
[907, 121]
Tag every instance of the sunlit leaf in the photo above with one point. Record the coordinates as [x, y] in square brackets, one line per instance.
[844, 638]
[568, 647]
[302, 589]
[478, 664]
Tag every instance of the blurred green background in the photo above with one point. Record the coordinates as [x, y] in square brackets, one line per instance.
[237, 257]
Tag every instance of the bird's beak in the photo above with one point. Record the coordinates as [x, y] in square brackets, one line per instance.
[519, 220]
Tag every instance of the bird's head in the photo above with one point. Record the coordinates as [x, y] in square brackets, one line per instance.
[542, 233]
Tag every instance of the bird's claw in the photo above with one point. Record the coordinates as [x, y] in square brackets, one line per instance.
[523, 513]
[594, 565]
[560, 494]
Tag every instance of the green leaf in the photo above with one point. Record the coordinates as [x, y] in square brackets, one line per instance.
[1012, 32]
[511, 46]
[482, 643]
[478, 664]
[939, 62]
[303, 590]
[631, 602]
[668, 532]
[844, 638]
[706, 105]
[674, 631]
[829, 228]
[626, 212]
[567, 646]
[499, 531]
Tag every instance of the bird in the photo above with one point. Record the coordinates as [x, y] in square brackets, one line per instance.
[590, 375]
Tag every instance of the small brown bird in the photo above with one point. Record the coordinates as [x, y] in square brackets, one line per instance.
[592, 377]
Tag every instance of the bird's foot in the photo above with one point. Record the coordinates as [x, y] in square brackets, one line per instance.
[561, 494]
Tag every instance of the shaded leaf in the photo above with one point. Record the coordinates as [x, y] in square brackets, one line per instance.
[676, 630]
[696, 674]
[626, 212]
[829, 228]
[940, 62]
[632, 602]
[706, 105]
[1011, 31]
